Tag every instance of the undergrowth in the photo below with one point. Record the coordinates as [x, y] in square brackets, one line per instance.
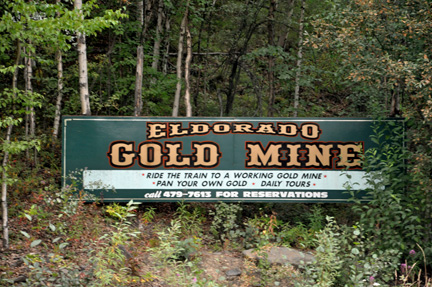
[64, 241]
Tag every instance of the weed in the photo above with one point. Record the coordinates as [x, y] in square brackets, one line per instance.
[113, 264]
[297, 236]
[225, 225]
[325, 269]
[51, 270]
[166, 251]
[262, 273]
[148, 215]
[121, 212]
[173, 255]
[190, 221]
[261, 231]
[316, 219]
[346, 257]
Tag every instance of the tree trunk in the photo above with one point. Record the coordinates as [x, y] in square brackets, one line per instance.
[26, 89]
[201, 69]
[270, 28]
[283, 38]
[187, 73]
[143, 18]
[59, 93]
[395, 102]
[247, 28]
[167, 45]
[179, 63]
[220, 102]
[30, 116]
[82, 65]
[158, 38]
[57, 117]
[138, 81]
[232, 84]
[257, 89]
[30, 91]
[15, 74]
[140, 62]
[299, 60]
[5, 226]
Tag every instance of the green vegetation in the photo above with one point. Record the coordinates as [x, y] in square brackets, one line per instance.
[65, 242]
[242, 59]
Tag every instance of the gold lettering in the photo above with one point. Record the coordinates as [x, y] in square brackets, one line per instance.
[266, 129]
[155, 130]
[310, 131]
[349, 155]
[207, 154]
[221, 128]
[315, 153]
[121, 154]
[176, 130]
[288, 129]
[174, 156]
[257, 157]
[243, 128]
[150, 154]
[293, 154]
[200, 128]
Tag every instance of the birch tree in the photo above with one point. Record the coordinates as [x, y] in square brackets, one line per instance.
[188, 62]
[14, 105]
[4, 178]
[166, 44]
[20, 28]
[179, 61]
[28, 75]
[144, 17]
[4, 183]
[59, 60]
[140, 62]
[82, 66]
[299, 59]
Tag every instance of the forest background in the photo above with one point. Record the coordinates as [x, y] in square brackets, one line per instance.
[274, 58]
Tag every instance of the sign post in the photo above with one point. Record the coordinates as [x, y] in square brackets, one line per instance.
[216, 159]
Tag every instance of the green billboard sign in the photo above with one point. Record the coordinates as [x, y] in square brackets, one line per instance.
[216, 159]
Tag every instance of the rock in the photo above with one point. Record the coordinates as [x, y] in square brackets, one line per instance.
[233, 272]
[281, 255]
[19, 279]
[17, 262]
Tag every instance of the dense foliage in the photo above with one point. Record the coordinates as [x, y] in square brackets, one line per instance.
[225, 58]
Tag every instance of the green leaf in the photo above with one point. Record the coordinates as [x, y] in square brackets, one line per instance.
[25, 234]
[63, 245]
[35, 243]
[52, 227]
[355, 251]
